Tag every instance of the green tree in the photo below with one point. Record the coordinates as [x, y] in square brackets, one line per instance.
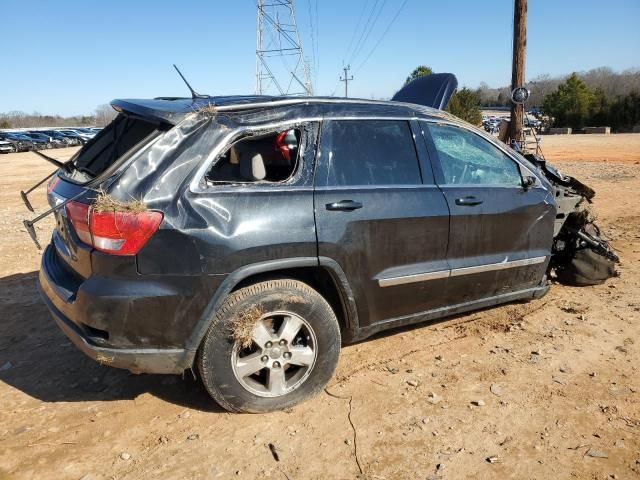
[5, 124]
[571, 104]
[420, 71]
[624, 112]
[465, 104]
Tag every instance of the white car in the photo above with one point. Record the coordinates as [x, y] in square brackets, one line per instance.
[6, 147]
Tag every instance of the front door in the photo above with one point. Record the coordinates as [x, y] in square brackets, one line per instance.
[381, 217]
[500, 232]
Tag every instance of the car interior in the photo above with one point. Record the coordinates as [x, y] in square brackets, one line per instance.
[265, 158]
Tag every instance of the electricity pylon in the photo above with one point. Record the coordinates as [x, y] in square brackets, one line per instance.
[280, 64]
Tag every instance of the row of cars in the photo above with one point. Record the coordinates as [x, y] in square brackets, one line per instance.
[39, 139]
[491, 123]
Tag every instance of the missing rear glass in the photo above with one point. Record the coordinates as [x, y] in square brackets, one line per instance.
[125, 134]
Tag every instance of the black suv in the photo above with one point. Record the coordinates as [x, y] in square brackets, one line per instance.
[265, 232]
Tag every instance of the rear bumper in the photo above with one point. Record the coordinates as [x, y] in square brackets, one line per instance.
[86, 308]
[144, 360]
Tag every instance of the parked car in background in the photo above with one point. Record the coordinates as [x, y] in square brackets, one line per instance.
[22, 142]
[82, 136]
[41, 140]
[54, 141]
[63, 139]
[72, 138]
[7, 147]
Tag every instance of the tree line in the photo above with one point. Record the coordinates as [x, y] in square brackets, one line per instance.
[598, 97]
[103, 114]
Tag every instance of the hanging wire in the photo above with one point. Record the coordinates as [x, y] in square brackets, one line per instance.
[373, 24]
[384, 34]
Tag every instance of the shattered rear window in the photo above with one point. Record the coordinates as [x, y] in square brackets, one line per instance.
[112, 143]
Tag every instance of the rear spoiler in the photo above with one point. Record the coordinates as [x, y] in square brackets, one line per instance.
[433, 90]
[156, 110]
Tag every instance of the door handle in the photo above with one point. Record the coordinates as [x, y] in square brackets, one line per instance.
[344, 205]
[468, 201]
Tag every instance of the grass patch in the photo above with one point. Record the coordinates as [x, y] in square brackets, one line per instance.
[242, 326]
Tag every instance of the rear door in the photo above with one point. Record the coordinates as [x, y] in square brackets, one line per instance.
[381, 217]
[500, 233]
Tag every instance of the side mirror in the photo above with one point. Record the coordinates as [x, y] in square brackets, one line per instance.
[528, 182]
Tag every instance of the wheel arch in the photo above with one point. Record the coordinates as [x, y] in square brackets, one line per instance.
[323, 274]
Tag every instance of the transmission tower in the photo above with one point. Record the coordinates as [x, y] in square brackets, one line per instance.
[280, 64]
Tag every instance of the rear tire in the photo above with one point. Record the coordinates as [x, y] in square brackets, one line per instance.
[289, 354]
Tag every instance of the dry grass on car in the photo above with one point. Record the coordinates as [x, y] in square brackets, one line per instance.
[106, 203]
[242, 326]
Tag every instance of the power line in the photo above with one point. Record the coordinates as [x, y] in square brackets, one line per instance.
[355, 30]
[373, 24]
[384, 34]
[317, 40]
[313, 38]
[364, 29]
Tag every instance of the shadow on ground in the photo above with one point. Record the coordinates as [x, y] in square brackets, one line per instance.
[38, 359]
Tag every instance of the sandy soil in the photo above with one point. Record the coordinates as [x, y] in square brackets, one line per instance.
[547, 389]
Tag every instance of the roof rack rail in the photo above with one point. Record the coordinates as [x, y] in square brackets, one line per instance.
[297, 101]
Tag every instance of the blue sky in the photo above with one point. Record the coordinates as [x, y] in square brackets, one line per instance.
[69, 56]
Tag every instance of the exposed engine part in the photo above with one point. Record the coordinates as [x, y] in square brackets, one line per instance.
[580, 256]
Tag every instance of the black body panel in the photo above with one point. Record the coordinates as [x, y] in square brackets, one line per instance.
[389, 250]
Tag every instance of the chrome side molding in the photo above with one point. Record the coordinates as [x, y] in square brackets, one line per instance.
[456, 272]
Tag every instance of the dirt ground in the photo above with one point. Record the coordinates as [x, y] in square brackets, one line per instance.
[547, 389]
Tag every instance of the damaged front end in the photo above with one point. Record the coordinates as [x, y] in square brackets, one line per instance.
[580, 256]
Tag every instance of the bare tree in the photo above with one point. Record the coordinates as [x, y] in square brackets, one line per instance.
[104, 114]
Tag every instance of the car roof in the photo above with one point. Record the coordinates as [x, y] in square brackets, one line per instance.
[174, 109]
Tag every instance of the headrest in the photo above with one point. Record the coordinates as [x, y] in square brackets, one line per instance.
[252, 167]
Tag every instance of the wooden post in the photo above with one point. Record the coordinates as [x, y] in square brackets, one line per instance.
[517, 68]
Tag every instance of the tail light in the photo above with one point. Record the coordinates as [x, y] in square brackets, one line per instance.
[118, 233]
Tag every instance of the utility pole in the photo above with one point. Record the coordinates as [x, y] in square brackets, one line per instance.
[517, 68]
[346, 79]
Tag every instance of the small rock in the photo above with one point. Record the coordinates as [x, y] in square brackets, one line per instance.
[238, 472]
[433, 398]
[478, 403]
[559, 380]
[347, 442]
[6, 366]
[496, 389]
[439, 358]
[163, 439]
[125, 456]
[393, 370]
[592, 452]
[193, 436]
[413, 383]
[592, 374]
[565, 369]
[186, 414]
[492, 459]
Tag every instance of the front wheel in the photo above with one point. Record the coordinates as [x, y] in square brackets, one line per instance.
[270, 346]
